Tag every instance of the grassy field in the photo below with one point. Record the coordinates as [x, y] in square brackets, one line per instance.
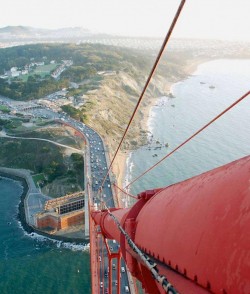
[37, 178]
[44, 70]
[24, 78]
[4, 108]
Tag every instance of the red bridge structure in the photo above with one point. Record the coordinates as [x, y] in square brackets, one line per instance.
[190, 237]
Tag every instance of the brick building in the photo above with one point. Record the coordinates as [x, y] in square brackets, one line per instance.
[54, 221]
[62, 213]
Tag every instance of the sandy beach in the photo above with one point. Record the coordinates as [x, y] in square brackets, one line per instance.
[119, 169]
[119, 166]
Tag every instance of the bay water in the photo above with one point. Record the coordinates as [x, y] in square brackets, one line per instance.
[33, 264]
[203, 95]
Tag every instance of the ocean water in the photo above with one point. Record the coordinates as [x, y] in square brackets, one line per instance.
[34, 264]
[173, 120]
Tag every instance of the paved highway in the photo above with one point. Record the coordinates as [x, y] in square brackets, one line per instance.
[98, 164]
[97, 170]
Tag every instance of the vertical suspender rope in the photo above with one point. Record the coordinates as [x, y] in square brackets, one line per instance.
[177, 14]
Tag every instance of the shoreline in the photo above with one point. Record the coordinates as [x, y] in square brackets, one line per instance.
[21, 216]
[21, 210]
[121, 165]
[119, 170]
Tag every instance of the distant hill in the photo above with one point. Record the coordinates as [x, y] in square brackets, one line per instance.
[14, 30]
[29, 33]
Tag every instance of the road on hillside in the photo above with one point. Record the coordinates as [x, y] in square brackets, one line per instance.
[98, 169]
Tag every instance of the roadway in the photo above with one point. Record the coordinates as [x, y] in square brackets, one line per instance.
[95, 172]
[2, 134]
[35, 200]
[98, 168]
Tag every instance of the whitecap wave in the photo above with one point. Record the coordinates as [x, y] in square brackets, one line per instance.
[174, 86]
[6, 251]
[59, 244]
[128, 170]
[150, 121]
[18, 183]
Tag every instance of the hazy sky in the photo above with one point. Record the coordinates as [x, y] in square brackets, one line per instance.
[220, 19]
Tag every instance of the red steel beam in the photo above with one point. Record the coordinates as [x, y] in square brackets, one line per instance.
[95, 283]
[197, 231]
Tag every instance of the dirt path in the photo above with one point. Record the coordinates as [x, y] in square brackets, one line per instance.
[39, 139]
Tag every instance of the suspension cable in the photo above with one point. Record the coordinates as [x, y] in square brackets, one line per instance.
[126, 193]
[177, 14]
[190, 138]
[167, 286]
[151, 265]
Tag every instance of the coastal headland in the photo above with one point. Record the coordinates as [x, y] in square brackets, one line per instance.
[102, 86]
[120, 167]
[25, 209]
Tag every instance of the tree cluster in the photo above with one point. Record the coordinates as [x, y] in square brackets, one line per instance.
[75, 113]
[34, 88]
[33, 155]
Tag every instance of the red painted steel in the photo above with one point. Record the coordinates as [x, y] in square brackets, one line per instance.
[197, 231]
[111, 256]
[94, 255]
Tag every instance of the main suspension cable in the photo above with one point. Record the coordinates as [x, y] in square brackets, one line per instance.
[126, 193]
[177, 14]
[190, 138]
[151, 265]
